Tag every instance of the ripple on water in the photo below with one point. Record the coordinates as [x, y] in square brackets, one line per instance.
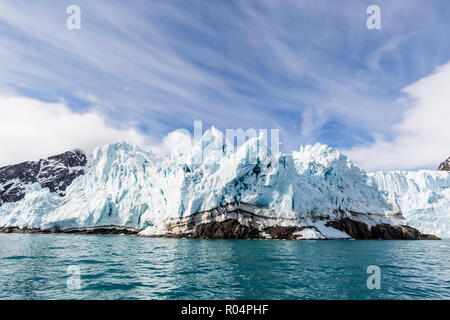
[120, 267]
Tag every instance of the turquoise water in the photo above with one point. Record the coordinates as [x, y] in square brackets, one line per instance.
[126, 267]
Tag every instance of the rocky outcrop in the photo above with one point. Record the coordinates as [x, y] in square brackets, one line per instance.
[101, 231]
[235, 229]
[445, 166]
[425, 236]
[355, 229]
[245, 221]
[361, 231]
[55, 173]
[283, 233]
[97, 231]
[229, 229]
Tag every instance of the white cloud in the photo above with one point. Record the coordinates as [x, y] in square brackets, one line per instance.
[31, 129]
[422, 138]
[175, 142]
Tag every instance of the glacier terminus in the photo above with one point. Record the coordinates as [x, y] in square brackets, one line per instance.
[313, 193]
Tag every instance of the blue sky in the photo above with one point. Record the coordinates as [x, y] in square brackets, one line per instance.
[309, 68]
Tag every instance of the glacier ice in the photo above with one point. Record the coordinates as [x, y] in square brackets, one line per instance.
[127, 187]
[423, 197]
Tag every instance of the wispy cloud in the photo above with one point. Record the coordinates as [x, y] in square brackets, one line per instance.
[311, 69]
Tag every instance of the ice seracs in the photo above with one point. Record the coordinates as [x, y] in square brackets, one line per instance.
[423, 197]
[245, 193]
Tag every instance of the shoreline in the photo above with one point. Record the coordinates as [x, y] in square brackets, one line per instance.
[232, 229]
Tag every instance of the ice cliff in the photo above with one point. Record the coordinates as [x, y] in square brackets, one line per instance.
[423, 197]
[315, 193]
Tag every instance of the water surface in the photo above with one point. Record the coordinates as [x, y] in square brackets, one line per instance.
[127, 267]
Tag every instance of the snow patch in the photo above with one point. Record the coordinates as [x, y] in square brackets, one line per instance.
[309, 234]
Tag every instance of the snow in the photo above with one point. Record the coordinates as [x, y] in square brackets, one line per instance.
[445, 166]
[55, 172]
[330, 233]
[125, 186]
[309, 234]
[423, 196]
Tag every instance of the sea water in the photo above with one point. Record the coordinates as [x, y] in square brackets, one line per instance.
[37, 266]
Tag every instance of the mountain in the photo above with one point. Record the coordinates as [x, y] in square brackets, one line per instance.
[445, 166]
[423, 197]
[55, 173]
[316, 193]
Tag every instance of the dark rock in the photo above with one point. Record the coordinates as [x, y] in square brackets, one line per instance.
[282, 233]
[385, 231]
[359, 230]
[445, 166]
[23, 231]
[355, 229]
[429, 237]
[55, 173]
[229, 229]
[171, 235]
[99, 231]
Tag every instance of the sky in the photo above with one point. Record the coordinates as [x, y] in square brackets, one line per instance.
[138, 70]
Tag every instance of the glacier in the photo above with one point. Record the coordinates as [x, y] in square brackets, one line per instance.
[132, 189]
[423, 197]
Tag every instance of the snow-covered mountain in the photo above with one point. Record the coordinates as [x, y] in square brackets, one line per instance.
[423, 197]
[445, 166]
[316, 193]
[54, 173]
